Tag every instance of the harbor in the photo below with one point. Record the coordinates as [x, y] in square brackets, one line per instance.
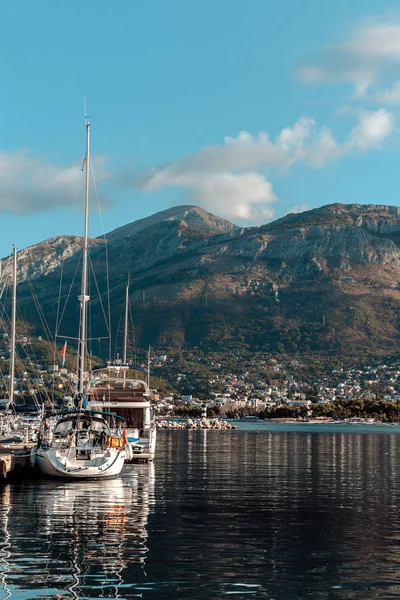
[199, 300]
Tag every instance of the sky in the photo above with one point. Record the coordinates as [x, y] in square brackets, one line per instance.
[248, 108]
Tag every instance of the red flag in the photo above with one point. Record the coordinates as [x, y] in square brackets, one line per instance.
[64, 352]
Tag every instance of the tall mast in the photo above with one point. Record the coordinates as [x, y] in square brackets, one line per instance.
[126, 323]
[148, 369]
[126, 329]
[84, 298]
[13, 327]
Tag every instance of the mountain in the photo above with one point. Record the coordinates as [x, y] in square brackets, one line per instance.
[41, 259]
[321, 281]
[192, 216]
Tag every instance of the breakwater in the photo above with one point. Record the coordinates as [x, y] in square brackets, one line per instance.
[196, 424]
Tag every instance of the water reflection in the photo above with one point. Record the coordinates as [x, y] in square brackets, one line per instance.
[288, 515]
[279, 515]
[5, 543]
[79, 539]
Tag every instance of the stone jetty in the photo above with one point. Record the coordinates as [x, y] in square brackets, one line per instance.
[196, 424]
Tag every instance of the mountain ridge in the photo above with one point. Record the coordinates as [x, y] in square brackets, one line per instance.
[323, 281]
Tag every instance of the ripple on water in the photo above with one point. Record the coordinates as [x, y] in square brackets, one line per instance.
[277, 514]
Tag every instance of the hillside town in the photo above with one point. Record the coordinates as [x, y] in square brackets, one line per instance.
[246, 384]
[270, 383]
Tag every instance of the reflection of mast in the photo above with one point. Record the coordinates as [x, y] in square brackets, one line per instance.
[5, 546]
[75, 569]
[96, 520]
[90, 537]
[204, 447]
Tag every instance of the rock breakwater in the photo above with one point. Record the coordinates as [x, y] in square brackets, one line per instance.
[196, 424]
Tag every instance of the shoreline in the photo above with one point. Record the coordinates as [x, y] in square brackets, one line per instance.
[228, 424]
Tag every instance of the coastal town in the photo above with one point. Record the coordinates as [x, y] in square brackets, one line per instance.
[270, 383]
[223, 385]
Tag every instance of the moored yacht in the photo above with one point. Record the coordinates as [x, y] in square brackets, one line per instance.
[118, 388]
[81, 444]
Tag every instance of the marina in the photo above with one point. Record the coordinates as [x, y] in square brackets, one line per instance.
[199, 362]
[84, 440]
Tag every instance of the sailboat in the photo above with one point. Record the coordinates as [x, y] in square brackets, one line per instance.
[7, 403]
[124, 388]
[82, 443]
[18, 433]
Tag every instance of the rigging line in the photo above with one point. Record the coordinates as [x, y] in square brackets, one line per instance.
[68, 295]
[18, 358]
[116, 339]
[88, 344]
[20, 365]
[30, 355]
[99, 295]
[5, 276]
[106, 254]
[69, 228]
[108, 295]
[72, 212]
[42, 318]
[58, 309]
[133, 331]
[36, 300]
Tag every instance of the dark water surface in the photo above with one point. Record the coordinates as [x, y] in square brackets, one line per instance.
[283, 512]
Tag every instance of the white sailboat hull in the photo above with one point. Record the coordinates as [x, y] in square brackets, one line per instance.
[54, 462]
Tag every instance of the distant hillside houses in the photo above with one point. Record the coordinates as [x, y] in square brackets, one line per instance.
[370, 382]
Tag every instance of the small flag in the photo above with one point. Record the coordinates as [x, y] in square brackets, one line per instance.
[63, 353]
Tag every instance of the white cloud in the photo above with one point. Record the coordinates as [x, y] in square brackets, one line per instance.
[30, 184]
[372, 129]
[301, 141]
[390, 96]
[361, 60]
[227, 178]
[246, 196]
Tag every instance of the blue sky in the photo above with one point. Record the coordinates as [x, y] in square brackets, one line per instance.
[170, 86]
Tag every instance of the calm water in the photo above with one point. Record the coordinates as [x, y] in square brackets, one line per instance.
[285, 512]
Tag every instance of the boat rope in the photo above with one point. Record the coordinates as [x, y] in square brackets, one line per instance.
[42, 317]
[99, 295]
[133, 333]
[67, 298]
[106, 255]
[69, 228]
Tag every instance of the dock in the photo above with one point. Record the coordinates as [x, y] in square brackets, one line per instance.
[14, 457]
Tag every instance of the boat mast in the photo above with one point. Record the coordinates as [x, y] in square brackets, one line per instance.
[84, 298]
[148, 369]
[13, 326]
[124, 358]
[126, 323]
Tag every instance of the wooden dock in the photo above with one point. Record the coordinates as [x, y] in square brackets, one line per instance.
[14, 457]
